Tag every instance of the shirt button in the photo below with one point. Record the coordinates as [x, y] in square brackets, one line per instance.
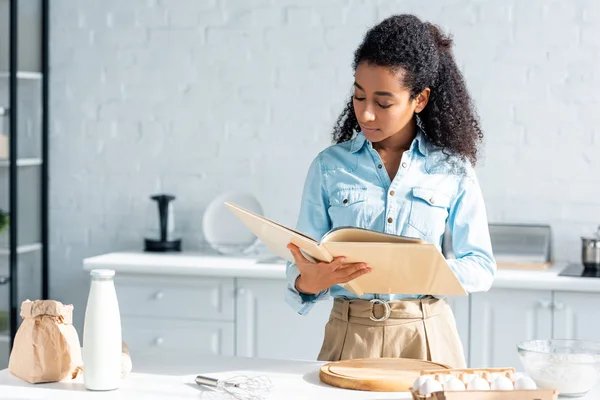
[403, 165]
[392, 193]
[390, 220]
[380, 166]
[432, 200]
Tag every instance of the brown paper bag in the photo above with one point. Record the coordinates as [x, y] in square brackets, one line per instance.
[46, 347]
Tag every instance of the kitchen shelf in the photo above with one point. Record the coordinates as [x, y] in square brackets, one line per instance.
[26, 248]
[25, 75]
[24, 178]
[22, 162]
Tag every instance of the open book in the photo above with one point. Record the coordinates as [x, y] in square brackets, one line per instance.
[398, 264]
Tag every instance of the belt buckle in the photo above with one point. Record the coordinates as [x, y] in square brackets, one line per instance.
[388, 311]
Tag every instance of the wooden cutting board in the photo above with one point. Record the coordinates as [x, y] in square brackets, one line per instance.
[376, 374]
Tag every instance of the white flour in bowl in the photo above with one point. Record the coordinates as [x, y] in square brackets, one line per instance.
[567, 373]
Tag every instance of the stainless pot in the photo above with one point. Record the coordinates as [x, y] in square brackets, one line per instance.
[590, 251]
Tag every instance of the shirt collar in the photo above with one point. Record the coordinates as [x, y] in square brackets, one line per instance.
[358, 142]
[420, 142]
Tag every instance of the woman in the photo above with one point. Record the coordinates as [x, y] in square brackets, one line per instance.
[406, 145]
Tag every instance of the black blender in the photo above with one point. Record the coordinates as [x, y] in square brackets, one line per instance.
[161, 237]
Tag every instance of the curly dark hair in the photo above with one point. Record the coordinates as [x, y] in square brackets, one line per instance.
[423, 52]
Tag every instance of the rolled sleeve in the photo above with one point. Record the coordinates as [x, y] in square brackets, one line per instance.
[300, 302]
[474, 265]
[314, 221]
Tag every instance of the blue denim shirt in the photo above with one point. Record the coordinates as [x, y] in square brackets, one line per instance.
[348, 185]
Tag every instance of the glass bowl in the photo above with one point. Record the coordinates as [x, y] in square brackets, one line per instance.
[570, 366]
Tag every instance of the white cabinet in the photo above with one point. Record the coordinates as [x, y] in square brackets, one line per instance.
[501, 318]
[249, 317]
[461, 310]
[575, 316]
[246, 317]
[162, 336]
[267, 327]
[203, 298]
[163, 314]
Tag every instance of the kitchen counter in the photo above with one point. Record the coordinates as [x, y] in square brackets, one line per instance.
[215, 265]
[174, 378]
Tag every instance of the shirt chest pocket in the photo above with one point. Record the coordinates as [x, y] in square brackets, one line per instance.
[429, 210]
[350, 207]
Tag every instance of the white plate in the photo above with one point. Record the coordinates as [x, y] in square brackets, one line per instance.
[223, 231]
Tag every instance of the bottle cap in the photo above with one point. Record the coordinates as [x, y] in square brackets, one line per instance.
[102, 273]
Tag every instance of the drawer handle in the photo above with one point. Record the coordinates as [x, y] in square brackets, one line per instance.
[158, 295]
[544, 304]
[158, 341]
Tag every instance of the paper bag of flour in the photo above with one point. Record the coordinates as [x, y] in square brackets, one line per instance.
[46, 347]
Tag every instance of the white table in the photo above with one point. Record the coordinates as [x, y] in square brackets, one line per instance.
[168, 378]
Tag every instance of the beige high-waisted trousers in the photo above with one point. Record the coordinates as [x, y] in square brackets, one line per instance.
[423, 329]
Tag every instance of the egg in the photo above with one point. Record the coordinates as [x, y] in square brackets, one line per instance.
[443, 378]
[454, 384]
[501, 383]
[419, 381]
[525, 383]
[430, 386]
[488, 376]
[466, 377]
[478, 383]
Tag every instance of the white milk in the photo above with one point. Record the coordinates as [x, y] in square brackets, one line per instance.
[102, 334]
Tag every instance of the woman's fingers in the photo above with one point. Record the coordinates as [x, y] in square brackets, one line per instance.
[297, 254]
[356, 274]
[350, 269]
[338, 263]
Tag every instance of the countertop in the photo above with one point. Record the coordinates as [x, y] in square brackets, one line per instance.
[174, 378]
[207, 263]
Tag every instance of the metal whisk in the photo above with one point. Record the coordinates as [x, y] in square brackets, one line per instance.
[240, 387]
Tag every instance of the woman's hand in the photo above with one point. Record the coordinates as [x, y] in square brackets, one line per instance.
[315, 277]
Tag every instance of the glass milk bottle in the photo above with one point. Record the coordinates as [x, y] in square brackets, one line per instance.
[102, 334]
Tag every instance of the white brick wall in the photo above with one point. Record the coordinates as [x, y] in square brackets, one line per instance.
[196, 97]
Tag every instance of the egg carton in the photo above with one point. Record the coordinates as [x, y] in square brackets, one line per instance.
[489, 374]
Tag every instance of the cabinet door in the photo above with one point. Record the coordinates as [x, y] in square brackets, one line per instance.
[202, 298]
[461, 309]
[501, 318]
[574, 315]
[267, 327]
[159, 337]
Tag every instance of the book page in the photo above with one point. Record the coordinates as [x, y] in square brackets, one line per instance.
[354, 234]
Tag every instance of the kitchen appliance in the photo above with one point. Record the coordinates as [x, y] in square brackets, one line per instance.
[580, 271]
[522, 246]
[590, 251]
[161, 234]
[589, 267]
